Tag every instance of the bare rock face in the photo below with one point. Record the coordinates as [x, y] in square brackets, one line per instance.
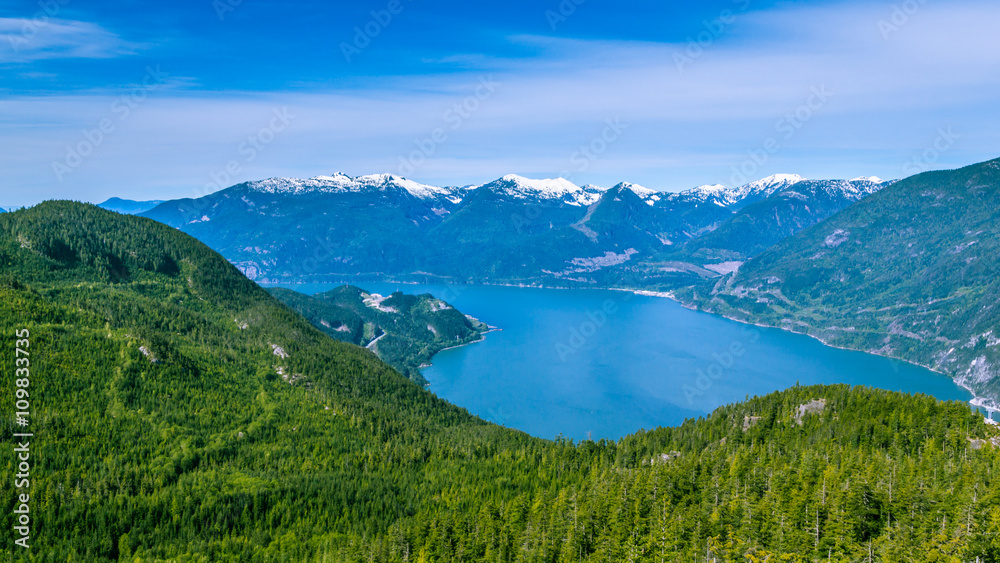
[812, 407]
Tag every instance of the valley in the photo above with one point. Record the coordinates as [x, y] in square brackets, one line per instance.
[188, 412]
[908, 273]
[707, 247]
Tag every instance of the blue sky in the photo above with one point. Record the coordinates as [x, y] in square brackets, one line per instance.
[164, 100]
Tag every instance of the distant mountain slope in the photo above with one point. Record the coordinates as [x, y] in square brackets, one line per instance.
[909, 272]
[404, 330]
[128, 206]
[747, 220]
[509, 230]
[774, 216]
[294, 229]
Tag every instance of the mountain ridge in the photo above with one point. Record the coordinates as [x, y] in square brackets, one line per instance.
[512, 184]
[128, 206]
[910, 273]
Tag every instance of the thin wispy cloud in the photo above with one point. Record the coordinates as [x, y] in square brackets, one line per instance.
[33, 39]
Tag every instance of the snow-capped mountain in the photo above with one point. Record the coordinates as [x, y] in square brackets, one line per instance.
[747, 194]
[769, 210]
[558, 189]
[645, 194]
[342, 183]
[709, 193]
[519, 187]
[741, 195]
[764, 187]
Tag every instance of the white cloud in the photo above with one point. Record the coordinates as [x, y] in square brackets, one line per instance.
[32, 39]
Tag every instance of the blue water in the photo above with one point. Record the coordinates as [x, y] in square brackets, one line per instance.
[603, 364]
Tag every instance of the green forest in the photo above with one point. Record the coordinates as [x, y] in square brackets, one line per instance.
[182, 413]
[405, 331]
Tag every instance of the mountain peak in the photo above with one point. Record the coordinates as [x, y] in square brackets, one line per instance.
[714, 193]
[336, 177]
[640, 191]
[645, 194]
[707, 189]
[520, 187]
[763, 187]
[872, 179]
[726, 197]
[780, 179]
[560, 185]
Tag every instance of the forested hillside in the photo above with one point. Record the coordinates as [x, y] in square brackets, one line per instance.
[403, 330]
[910, 272]
[184, 414]
[182, 409]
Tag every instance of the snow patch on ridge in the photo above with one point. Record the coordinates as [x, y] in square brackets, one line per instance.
[342, 183]
[552, 186]
[715, 193]
[645, 194]
[766, 186]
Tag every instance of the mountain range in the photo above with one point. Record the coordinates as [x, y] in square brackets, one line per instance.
[512, 230]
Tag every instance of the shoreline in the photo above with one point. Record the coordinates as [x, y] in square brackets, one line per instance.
[977, 401]
[271, 283]
[481, 339]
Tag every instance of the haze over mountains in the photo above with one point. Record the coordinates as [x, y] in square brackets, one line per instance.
[511, 230]
[128, 206]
